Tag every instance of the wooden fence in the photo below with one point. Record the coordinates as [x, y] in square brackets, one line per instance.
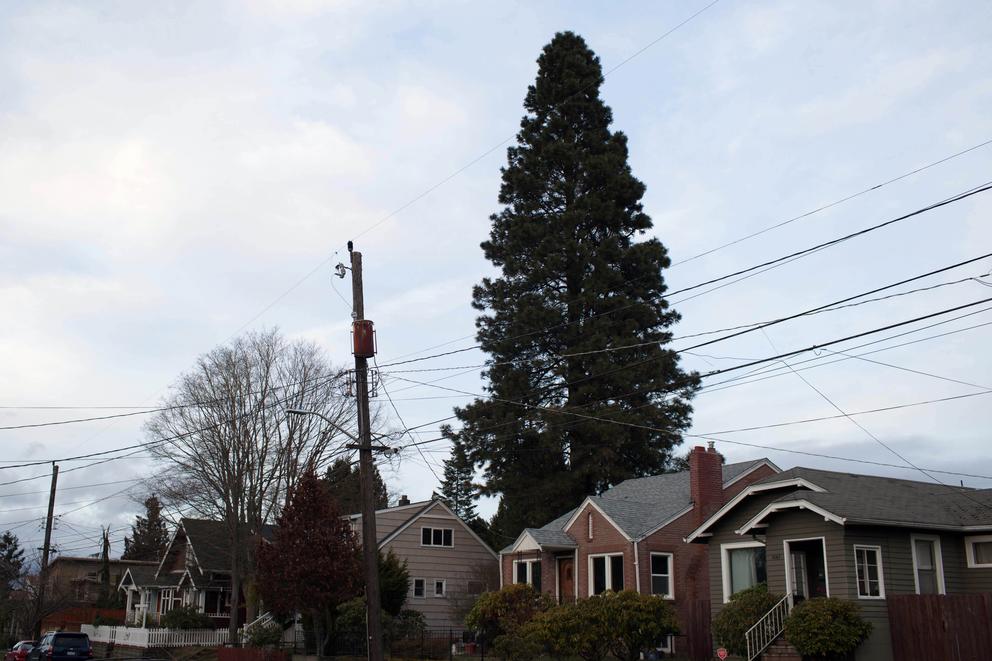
[953, 627]
[697, 631]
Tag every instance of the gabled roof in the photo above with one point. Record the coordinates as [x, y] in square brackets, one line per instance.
[848, 498]
[639, 506]
[210, 542]
[428, 506]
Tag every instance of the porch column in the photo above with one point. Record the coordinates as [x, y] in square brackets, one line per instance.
[127, 608]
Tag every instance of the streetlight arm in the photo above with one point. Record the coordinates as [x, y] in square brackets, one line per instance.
[325, 419]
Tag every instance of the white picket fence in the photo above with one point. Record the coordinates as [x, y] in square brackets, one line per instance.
[139, 637]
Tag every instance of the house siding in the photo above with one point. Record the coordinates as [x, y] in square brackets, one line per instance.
[466, 560]
[606, 538]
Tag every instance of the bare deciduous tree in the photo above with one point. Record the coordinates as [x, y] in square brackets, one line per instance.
[234, 452]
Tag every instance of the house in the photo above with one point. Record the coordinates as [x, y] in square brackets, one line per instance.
[195, 570]
[631, 537]
[76, 580]
[449, 565]
[812, 533]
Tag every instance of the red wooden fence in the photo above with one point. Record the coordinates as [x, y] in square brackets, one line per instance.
[697, 631]
[953, 627]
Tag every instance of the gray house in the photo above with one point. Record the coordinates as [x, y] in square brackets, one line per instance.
[812, 533]
[449, 565]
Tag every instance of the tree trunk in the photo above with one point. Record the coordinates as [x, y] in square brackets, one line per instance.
[232, 626]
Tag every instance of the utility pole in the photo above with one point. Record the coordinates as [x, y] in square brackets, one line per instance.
[45, 550]
[370, 544]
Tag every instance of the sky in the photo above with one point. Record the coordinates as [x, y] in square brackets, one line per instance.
[172, 175]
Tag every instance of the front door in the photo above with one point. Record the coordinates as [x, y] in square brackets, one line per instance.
[806, 567]
[798, 577]
[566, 580]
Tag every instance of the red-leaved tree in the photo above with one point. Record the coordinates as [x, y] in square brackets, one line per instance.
[312, 563]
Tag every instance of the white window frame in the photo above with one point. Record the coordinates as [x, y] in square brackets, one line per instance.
[413, 588]
[444, 588]
[937, 558]
[969, 551]
[589, 519]
[608, 569]
[671, 576]
[442, 545]
[530, 570]
[881, 571]
[725, 562]
[666, 645]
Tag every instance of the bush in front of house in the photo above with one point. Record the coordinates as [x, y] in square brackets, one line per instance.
[101, 620]
[826, 627]
[738, 615]
[577, 629]
[505, 611]
[268, 634]
[186, 617]
[636, 622]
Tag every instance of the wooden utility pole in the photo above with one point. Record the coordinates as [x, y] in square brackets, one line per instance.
[370, 544]
[45, 550]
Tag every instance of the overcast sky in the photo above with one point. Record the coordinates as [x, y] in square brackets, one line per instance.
[169, 170]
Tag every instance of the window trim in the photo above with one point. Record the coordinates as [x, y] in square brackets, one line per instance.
[444, 588]
[670, 575]
[725, 562]
[937, 558]
[608, 569]
[529, 563]
[881, 572]
[413, 584]
[442, 545]
[589, 519]
[969, 551]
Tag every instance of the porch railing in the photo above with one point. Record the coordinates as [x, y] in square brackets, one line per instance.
[767, 629]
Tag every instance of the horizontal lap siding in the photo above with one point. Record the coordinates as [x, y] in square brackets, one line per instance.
[467, 560]
[803, 524]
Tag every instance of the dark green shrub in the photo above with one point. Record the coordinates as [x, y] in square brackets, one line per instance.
[826, 627]
[265, 635]
[186, 617]
[505, 611]
[102, 620]
[740, 614]
[577, 629]
[636, 622]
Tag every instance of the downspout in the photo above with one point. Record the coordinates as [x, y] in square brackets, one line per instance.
[637, 568]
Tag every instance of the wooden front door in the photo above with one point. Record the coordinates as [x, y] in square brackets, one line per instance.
[566, 580]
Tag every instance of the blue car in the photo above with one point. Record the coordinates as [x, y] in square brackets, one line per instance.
[62, 646]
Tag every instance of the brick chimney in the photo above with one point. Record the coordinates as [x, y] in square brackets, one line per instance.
[705, 481]
[403, 501]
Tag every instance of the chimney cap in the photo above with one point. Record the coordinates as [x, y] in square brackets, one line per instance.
[403, 500]
[709, 446]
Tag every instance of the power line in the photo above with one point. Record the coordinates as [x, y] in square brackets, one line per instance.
[842, 200]
[766, 265]
[767, 229]
[406, 429]
[860, 426]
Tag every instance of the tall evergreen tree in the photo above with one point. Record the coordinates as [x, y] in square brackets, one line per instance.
[344, 483]
[11, 562]
[149, 535]
[457, 487]
[578, 276]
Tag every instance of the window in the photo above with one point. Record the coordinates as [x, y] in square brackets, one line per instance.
[928, 569]
[527, 571]
[979, 551]
[589, 519]
[868, 568]
[419, 588]
[743, 566]
[605, 573]
[439, 587]
[436, 537]
[168, 600]
[661, 575]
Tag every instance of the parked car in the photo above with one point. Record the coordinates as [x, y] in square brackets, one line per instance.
[19, 652]
[62, 646]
